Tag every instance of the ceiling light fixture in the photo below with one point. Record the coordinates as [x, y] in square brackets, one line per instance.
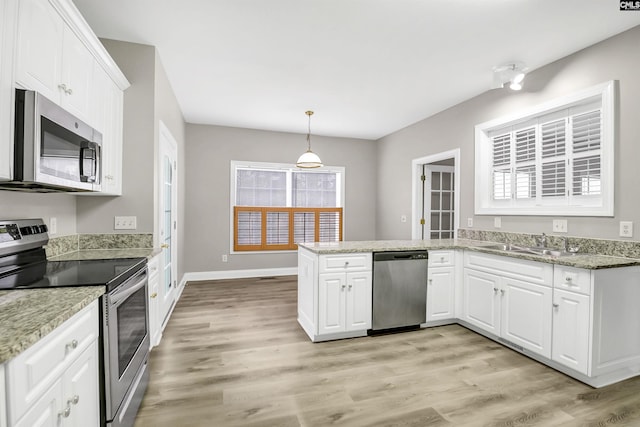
[309, 159]
[513, 73]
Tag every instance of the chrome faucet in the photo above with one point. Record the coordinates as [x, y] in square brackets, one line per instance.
[566, 244]
[542, 241]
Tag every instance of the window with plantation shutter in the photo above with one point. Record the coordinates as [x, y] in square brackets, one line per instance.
[556, 159]
[276, 206]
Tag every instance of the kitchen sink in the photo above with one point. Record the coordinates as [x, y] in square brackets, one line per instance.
[534, 250]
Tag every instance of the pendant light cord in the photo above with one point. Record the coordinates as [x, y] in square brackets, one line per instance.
[309, 113]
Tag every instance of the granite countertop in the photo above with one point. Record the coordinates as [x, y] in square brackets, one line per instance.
[106, 254]
[587, 261]
[27, 315]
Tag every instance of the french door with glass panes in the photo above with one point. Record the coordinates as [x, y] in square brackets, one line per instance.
[167, 218]
[437, 202]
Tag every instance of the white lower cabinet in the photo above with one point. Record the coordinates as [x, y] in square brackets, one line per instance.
[72, 401]
[509, 304]
[441, 286]
[155, 320]
[55, 381]
[571, 329]
[334, 294]
[344, 302]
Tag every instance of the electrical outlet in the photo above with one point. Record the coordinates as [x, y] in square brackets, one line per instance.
[225, 258]
[403, 218]
[626, 229]
[469, 222]
[497, 222]
[125, 223]
[559, 225]
[53, 225]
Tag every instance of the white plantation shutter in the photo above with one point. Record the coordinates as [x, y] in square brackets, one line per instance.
[277, 228]
[553, 140]
[502, 167]
[586, 132]
[554, 179]
[525, 176]
[586, 176]
[329, 226]
[304, 227]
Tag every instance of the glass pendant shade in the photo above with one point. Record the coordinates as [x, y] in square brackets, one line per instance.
[309, 159]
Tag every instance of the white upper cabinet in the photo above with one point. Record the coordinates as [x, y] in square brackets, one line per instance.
[52, 60]
[7, 27]
[39, 52]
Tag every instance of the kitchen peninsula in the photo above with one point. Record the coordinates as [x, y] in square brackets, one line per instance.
[572, 312]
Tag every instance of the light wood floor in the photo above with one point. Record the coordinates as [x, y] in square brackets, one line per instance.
[234, 355]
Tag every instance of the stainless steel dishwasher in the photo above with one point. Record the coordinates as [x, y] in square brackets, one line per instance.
[399, 289]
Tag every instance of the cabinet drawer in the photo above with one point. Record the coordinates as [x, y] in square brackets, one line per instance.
[441, 258]
[572, 279]
[522, 269]
[32, 372]
[345, 262]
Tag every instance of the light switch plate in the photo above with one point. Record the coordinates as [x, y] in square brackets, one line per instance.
[497, 222]
[469, 222]
[626, 228]
[125, 223]
[53, 225]
[559, 225]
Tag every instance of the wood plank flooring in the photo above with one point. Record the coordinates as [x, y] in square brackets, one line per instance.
[233, 354]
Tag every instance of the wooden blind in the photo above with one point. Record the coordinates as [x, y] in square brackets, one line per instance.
[281, 228]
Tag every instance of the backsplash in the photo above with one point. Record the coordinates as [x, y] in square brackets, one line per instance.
[621, 248]
[65, 244]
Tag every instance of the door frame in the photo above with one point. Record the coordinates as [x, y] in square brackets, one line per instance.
[416, 189]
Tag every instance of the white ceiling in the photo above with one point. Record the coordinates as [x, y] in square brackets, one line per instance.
[366, 67]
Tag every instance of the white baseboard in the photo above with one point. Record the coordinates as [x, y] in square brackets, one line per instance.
[239, 274]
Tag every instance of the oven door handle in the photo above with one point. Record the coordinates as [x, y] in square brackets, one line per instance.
[117, 298]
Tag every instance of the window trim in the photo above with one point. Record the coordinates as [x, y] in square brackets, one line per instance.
[605, 95]
[235, 164]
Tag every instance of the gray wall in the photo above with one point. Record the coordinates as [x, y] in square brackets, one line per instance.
[613, 59]
[24, 205]
[208, 154]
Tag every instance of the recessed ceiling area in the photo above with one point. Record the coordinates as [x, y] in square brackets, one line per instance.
[366, 68]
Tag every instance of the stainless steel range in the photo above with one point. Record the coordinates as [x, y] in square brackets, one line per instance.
[124, 331]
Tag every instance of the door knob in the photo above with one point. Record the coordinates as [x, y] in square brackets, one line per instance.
[164, 246]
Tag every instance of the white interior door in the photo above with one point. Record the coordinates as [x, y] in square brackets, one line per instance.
[167, 219]
[438, 198]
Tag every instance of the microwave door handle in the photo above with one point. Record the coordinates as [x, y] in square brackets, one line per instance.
[84, 148]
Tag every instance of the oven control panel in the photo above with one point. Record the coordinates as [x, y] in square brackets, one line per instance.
[22, 234]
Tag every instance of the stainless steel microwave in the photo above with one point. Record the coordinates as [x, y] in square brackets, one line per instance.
[54, 150]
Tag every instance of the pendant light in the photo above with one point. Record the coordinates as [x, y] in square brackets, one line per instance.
[309, 159]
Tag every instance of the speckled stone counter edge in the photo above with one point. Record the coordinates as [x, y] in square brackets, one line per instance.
[586, 261]
[21, 327]
[73, 243]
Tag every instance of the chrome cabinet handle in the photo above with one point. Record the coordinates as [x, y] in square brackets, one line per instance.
[346, 263]
[72, 345]
[502, 291]
[69, 91]
[74, 400]
[65, 412]
[568, 279]
[350, 286]
[495, 290]
[431, 281]
[441, 259]
[109, 177]
[344, 286]
[556, 305]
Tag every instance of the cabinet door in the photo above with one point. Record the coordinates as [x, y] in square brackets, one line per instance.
[526, 315]
[111, 137]
[571, 330]
[482, 300]
[440, 294]
[155, 322]
[47, 411]
[39, 53]
[331, 303]
[358, 301]
[7, 25]
[80, 388]
[77, 76]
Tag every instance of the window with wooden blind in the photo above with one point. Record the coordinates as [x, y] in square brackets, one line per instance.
[556, 159]
[277, 206]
